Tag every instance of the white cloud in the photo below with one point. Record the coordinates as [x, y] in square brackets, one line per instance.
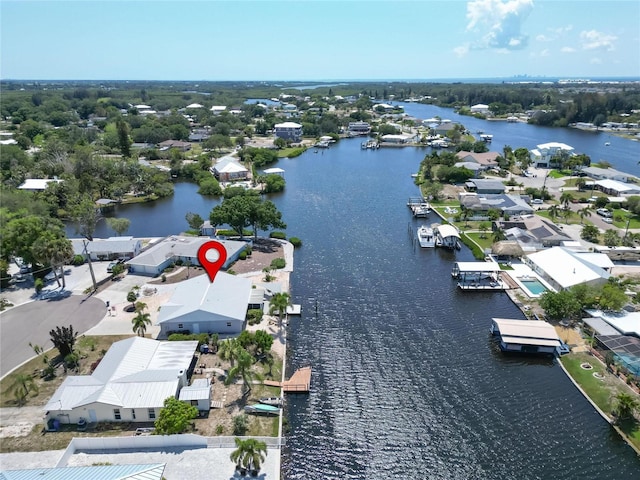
[543, 38]
[544, 53]
[595, 61]
[462, 50]
[567, 49]
[594, 40]
[554, 34]
[502, 20]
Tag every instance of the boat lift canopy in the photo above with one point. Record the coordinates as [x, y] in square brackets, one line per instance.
[474, 267]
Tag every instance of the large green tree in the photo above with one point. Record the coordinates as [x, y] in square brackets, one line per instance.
[175, 417]
[247, 210]
[53, 251]
[278, 305]
[559, 305]
[119, 225]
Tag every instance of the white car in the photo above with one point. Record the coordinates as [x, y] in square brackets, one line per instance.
[537, 201]
[607, 220]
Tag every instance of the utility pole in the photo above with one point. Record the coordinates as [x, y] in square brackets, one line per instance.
[93, 276]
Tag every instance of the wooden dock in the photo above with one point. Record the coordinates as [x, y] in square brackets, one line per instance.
[299, 382]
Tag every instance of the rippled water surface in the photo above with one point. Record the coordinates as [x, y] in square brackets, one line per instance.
[407, 382]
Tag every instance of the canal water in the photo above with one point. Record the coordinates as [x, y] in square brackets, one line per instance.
[407, 382]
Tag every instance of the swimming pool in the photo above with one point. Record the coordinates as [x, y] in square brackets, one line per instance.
[533, 286]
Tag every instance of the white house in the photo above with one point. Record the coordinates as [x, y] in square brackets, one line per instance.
[480, 108]
[543, 155]
[130, 384]
[218, 109]
[228, 169]
[175, 248]
[37, 184]
[598, 173]
[194, 106]
[563, 268]
[201, 306]
[107, 248]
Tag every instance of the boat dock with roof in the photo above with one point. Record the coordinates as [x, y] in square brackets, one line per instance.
[478, 276]
[527, 336]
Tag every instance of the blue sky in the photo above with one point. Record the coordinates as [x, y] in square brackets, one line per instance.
[318, 40]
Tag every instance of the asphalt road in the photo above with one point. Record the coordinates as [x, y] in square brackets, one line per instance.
[33, 321]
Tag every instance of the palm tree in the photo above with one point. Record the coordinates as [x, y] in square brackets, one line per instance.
[243, 370]
[584, 212]
[21, 386]
[498, 235]
[278, 305]
[228, 350]
[554, 211]
[625, 407]
[565, 199]
[249, 453]
[140, 322]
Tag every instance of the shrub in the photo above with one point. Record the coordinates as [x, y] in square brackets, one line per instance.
[77, 260]
[254, 316]
[163, 277]
[243, 255]
[278, 263]
[295, 241]
[179, 262]
[278, 235]
[240, 425]
[39, 285]
[219, 430]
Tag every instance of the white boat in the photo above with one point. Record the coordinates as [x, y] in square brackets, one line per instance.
[274, 401]
[426, 237]
[486, 137]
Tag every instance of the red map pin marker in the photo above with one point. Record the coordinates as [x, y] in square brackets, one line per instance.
[212, 267]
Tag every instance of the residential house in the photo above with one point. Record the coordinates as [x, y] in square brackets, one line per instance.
[194, 106]
[37, 184]
[444, 128]
[615, 188]
[359, 128]
[598, 173]
[544, 155]
[509, 205]
[182, 146]
[486, 160]
[199, 305]
[288, 131]
[485, 186]
[563, 268]
[229, 169]
[97, 472]
[130, 384]
[155, 259]
[107, 248]
[480, 108]
[532, 233]
[217, 109]
[476, 168]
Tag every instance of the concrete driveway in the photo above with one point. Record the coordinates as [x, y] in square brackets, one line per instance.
[31, 322]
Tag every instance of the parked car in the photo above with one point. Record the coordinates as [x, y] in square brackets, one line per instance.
[537, 201]
[603, 212]
[607, 220]
[25, 269]
[110, 266]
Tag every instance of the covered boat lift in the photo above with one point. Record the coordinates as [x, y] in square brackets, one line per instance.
[478, 276]
[447, 236]
[526, 336]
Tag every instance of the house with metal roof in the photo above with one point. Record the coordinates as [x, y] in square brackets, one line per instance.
[37, 184]
[229, 169]
[170, 250]
[486, 160]
[614, 187]
[563, 268]
[485, 185]
[507, 204]
[201, 306]
[198, 394]
[107, 248]
[152, 471]
[130, 384]
[598, 173]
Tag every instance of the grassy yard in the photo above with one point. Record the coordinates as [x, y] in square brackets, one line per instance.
[602, 391]
[477, 237]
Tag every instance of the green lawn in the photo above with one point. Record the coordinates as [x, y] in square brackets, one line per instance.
[601, 392]
[484, 243]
